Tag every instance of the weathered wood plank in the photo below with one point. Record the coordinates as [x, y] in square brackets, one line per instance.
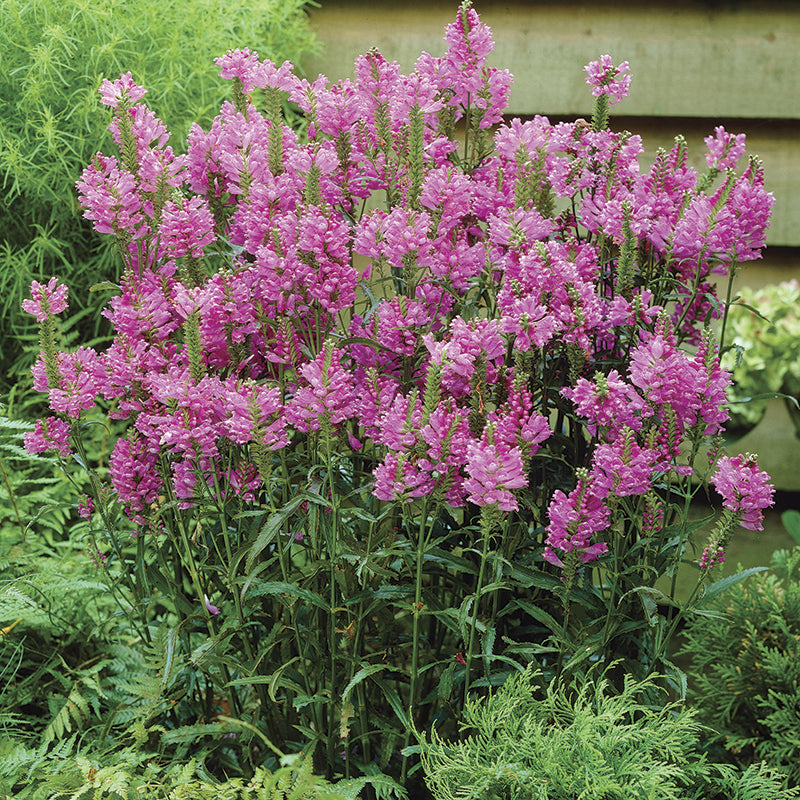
[737, 60]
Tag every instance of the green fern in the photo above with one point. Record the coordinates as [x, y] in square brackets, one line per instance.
[77, 707]
[118, 775]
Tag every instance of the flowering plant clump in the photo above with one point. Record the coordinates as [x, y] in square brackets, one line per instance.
[410, 401]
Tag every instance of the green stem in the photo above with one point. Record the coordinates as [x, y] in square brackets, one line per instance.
[332, 547]
[13, 499]
[486, 532]
[422, 536]
[728, 294]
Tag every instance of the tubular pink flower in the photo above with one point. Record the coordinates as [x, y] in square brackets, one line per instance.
[186, 229]
[242, 64]
[51, 433]
[46, 299]
[608, 403]
[81, 380]
[744, 489]
[493, 471]
[724, 149]
[110, 199]
[123, 88]
[575, 519]
[623, 468]
[133, 467]
[268, 75]
[605, 78]
[327, 390]
[516, 423]
[396, 478]
[463, 67]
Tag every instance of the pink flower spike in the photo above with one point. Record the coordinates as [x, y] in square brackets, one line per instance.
[605, 78]
[493, 471]
[724, 149]
[242, 64]
[49, 434]
[211, 608]
[113, 91]
[47, 300]
[268, 75]
[744, 489]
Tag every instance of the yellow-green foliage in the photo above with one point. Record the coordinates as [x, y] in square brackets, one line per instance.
[586, 740]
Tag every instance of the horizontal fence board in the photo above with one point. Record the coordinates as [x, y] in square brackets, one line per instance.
[738, 60]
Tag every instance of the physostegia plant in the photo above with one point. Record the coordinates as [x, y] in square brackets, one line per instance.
[405, 404]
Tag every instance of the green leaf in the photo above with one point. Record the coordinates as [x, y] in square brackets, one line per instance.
[449, 560]
[270, 530]
[791, 522]
[487, 641]
[277, 680]
[103, 286]
[390, 693]
[445, 686]
[723, 584]
[362, 674]
[364, 340]
[389, 592]
[650, 597]
[542, 616]
[191, 733]
[279, 588]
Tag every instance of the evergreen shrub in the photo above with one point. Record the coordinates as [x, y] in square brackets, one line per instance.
[583, 741]
[744, 677]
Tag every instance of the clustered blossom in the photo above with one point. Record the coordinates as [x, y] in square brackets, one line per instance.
[111, 92]
[46, 299]
[493, 474]
[575, 520]
[724, 149]
[435, 334]
[606, 79]
[745, 490]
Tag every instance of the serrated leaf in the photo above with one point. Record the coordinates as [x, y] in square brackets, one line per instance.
[270, 530]
[445, 687]
[362, 674]
[721, 585]
[540, 615]
[279, 588]
[390, 693]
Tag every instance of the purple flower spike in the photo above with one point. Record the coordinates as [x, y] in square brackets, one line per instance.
[113, 91]
[49, 299]
[744, 489]
[605, 78]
